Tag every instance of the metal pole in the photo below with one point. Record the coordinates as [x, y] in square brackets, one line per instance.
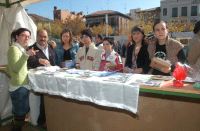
[106, 17]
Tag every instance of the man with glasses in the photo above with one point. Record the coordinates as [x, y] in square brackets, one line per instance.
[88, 57]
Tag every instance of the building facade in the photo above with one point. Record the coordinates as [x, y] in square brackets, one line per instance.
[64, 15]
[148, 15]
[180, 10]
[133, 13]
[37, 18]
[118, 21]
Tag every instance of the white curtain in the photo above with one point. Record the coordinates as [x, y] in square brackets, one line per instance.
[5, 101]
[10, 19]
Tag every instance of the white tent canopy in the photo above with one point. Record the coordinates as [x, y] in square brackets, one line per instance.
[13, 16]
[9, 3]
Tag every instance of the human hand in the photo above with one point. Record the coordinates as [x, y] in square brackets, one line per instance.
[138, 70]
[78, 66]
[44, 62]
[109, 66]
[52, 43]
[31, 52]
[165, 70]
[127, 70]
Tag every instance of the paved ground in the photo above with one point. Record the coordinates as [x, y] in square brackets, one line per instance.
[27, 127]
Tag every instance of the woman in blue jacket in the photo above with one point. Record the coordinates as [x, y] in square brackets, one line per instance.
[66, 50]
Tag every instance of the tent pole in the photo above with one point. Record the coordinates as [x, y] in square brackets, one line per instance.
[16, 2]
[7, 3]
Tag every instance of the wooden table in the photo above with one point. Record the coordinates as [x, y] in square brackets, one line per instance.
[167, 88]
[160, 109]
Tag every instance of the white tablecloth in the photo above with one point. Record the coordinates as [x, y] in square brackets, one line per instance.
[111, 91]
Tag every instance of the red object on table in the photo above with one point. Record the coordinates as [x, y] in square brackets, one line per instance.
[180, 73]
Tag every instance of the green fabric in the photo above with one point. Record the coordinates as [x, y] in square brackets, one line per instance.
[17, 66]
[196, 85]
[189, 95]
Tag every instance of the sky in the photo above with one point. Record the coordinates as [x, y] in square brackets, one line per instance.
[45, 8]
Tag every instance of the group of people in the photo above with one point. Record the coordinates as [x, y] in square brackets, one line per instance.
[99, 56]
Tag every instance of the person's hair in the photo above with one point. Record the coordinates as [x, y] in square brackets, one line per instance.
[110, 40]
[157, 22]
[100, 36]
[70, 34]
[137, 29]
[196, 27]
[87, 32]
[17, 33]
[40, 30]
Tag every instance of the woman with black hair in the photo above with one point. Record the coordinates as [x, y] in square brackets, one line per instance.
[137, 58]
[18, 72]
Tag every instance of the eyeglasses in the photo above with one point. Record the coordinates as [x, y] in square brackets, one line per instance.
[25, 36]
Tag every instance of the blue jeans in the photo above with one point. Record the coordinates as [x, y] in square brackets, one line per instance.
[20, 101]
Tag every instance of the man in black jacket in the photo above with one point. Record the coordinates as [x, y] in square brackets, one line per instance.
[45, 56]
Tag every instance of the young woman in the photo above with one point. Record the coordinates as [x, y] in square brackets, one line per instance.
[17, 70]
[110, 60]
[137, 58]
[66, 51]
[165, 48]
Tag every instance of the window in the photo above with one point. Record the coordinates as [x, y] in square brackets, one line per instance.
[184, 11]
[194, 11]
[164, 11]
[195, 1]
[112, 21]
[175, 12]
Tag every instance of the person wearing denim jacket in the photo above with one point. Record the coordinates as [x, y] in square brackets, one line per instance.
[65, 46]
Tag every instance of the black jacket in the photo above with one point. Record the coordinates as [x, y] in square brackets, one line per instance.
[33, 61]
[142, 61]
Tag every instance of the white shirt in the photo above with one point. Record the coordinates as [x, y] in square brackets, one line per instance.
[45, 50]
[89, 61]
